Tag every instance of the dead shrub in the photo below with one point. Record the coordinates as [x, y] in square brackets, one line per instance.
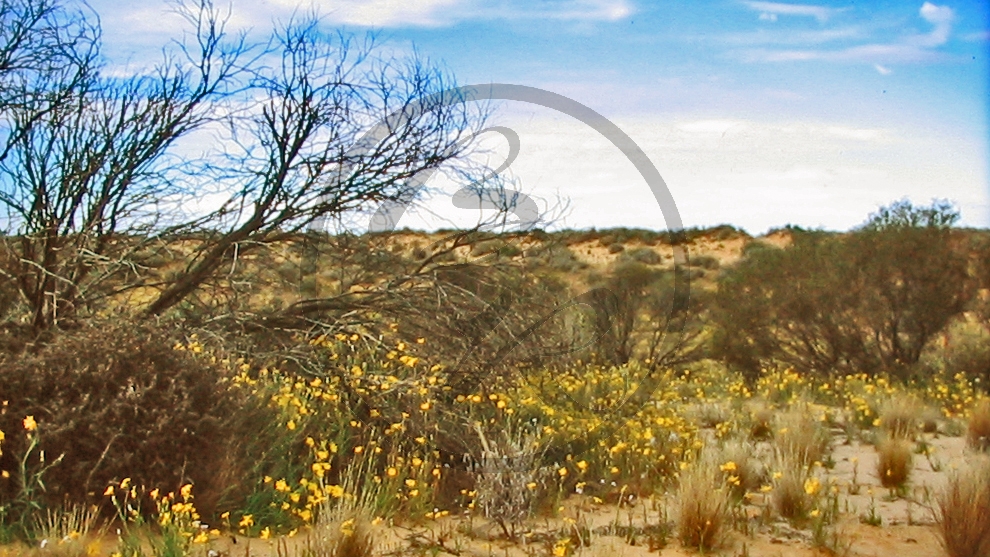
[895, 462]
[508, 477]
[962, 511]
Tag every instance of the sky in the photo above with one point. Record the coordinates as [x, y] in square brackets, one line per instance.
[756, 114]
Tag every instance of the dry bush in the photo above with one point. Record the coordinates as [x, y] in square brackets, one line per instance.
[895, 462]
[978, 431]
[508, 477]
[963, 511]
[703, 502]
[900, 417]
[115, 399]
[801, 437]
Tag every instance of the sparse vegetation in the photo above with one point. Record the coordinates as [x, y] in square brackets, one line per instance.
[237, 375]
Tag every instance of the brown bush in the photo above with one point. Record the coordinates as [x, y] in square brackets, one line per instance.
[117, 400]
[978, 431]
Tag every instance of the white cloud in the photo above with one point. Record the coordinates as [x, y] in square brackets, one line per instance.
[716, 127]
[859, 134]
[907, 49]
[780, 36]
[573, 10]
[941, 18]
[750, 173]
[388, 13]
[151, 20]
[401, 13]
[770, 10]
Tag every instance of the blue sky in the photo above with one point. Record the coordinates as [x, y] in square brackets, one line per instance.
[756, 113]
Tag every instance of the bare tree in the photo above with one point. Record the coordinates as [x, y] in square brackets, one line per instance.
[316, 126]
[335, 129]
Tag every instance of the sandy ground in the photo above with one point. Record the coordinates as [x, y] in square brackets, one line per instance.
[908, 528]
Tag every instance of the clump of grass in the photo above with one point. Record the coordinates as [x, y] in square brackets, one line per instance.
[900, 417]
[978, 431]
[929, 420]
[743, 472]
[801, 437]
[704, 503]
[709, 414]
[795, 488]
[761, 425]
[963, 511]
[68, 522]
[895, 462]
[352, 537]
[66, 531]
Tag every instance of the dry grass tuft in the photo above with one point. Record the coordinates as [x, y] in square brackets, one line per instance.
[963, 511]
[794, 488]
[978, 432]
[761, 426]
[349, 538]
[895, 462]
[802, 438]
[69, 522]
[709, 414]
[703, 504]
[900, 417]
[750, 472]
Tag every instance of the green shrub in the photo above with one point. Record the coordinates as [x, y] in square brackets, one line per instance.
[643, 255]
[705, 262]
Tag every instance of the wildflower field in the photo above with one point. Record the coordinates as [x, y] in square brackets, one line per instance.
[380, 445]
